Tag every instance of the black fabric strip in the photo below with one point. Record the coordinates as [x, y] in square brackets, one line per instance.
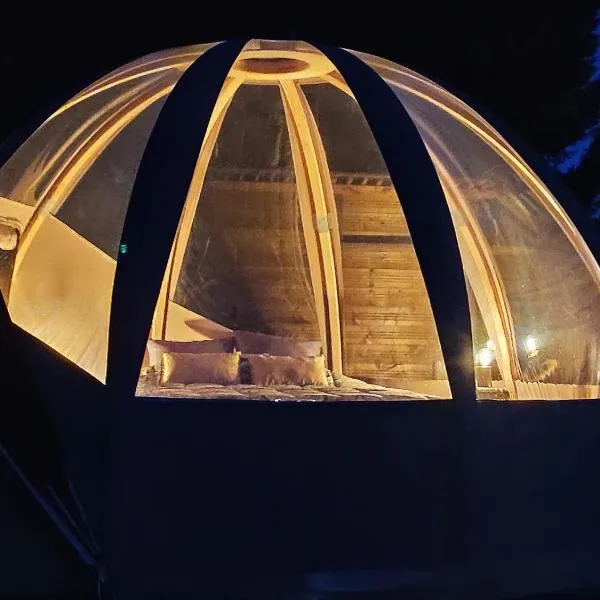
[157, 201]
[426, 211]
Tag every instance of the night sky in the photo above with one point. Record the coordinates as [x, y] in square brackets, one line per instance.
[525, 61]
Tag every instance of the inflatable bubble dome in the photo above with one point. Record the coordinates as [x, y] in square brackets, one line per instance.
[283, 302]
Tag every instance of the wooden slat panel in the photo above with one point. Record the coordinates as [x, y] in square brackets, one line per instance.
[389, 332]
[416, 309]
[369, 210]
[389, 329]
[385, 328]
[251, 204]
[252, 258]
[375, 371]
[380, 256]
[377, 239]
[385, 278]
[397, 339]
[362, 300]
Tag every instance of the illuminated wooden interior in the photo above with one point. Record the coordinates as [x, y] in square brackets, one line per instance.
[346, 271]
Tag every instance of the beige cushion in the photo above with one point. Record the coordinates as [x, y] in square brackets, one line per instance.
[268, 370]
[248, 342]
[157, 347]
[181, 367]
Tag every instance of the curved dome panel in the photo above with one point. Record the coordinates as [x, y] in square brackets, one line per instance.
[390, 336]
[293, 241]
[533, 283]
[293, 236]
[66, 190]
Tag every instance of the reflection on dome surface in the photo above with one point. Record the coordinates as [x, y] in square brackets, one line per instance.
[293, 274]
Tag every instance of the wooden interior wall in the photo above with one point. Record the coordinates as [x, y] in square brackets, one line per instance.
[254, 275]
[388, 328]
[257, 268]
[250, 267]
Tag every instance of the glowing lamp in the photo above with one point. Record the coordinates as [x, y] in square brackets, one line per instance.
[485, 357]
[531, 345]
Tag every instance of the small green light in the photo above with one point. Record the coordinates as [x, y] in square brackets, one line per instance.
[123, 249]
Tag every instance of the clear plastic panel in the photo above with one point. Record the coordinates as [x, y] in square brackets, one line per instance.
[535, 298]
[178, 59]
[96, 207]
[286, 265]
[28, 175]
[400, 77]
[239, 268]
[245, 265]
[76, 172]
[388, 329]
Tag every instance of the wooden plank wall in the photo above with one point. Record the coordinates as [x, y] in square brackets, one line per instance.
[388, 328]
[257, 268]
[253, 272]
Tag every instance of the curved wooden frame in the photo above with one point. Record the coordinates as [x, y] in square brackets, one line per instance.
[414, 177]
[167, 292]
[193, 196]
[487, 284]
[166, 171]
[312, 162]
[332, 214]
[550, 203]
[62, 184]
[308, 225]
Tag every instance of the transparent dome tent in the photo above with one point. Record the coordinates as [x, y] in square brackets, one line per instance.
[281, 222]
[293, 228]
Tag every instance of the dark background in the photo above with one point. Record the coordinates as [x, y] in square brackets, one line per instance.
[530, 62]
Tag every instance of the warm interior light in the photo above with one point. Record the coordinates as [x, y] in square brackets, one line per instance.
[531, 345]
[485, 357]
[490, 345]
